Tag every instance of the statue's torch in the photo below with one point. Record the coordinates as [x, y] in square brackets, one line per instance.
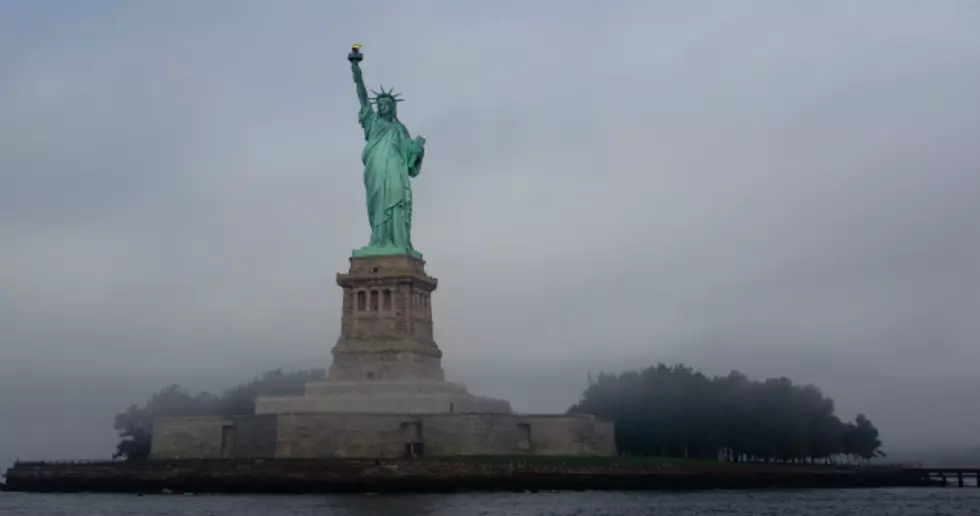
[355, 55]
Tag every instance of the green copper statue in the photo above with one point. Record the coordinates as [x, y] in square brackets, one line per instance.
[391, 156]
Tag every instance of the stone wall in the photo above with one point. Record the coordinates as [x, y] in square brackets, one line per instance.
[339, 435]
[380, 435]
[368, 435]
[422, 398]
[472, 434]
[605, 433]
[570, 435]
[255, 437]
[192, 438]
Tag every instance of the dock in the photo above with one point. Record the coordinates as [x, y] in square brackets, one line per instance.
[958, 477]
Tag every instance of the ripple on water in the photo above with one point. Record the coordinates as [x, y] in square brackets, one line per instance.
[880, 502]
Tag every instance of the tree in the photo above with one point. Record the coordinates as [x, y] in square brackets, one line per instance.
[675, 411]
[862, 439]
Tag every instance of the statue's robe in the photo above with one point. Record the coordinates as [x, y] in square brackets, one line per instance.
[390, 158]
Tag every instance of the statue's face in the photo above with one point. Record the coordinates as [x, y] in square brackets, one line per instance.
[386, 107]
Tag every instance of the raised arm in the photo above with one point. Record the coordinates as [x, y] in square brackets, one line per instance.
[362, 95]
[355, 57]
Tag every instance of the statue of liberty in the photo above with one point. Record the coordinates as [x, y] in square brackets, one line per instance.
[390, 157]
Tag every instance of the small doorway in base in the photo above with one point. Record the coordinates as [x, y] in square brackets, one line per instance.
[229, 436]
[414, 449]
[412, 437]
[523, 436]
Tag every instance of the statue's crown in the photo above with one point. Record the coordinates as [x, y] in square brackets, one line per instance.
[386, 94]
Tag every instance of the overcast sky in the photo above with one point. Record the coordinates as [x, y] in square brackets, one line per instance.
[780, 187]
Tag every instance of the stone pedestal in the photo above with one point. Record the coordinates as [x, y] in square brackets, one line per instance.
[385, 360]
[386, 328]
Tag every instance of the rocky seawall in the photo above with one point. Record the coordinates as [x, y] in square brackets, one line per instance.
[352, 475]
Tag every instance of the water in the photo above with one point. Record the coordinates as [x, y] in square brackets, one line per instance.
[884, 502]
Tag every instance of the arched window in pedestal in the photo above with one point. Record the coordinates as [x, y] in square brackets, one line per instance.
[361, 300]
[386, 299]
[374, 300]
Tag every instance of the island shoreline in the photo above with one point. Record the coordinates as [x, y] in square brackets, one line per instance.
[306, 476]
